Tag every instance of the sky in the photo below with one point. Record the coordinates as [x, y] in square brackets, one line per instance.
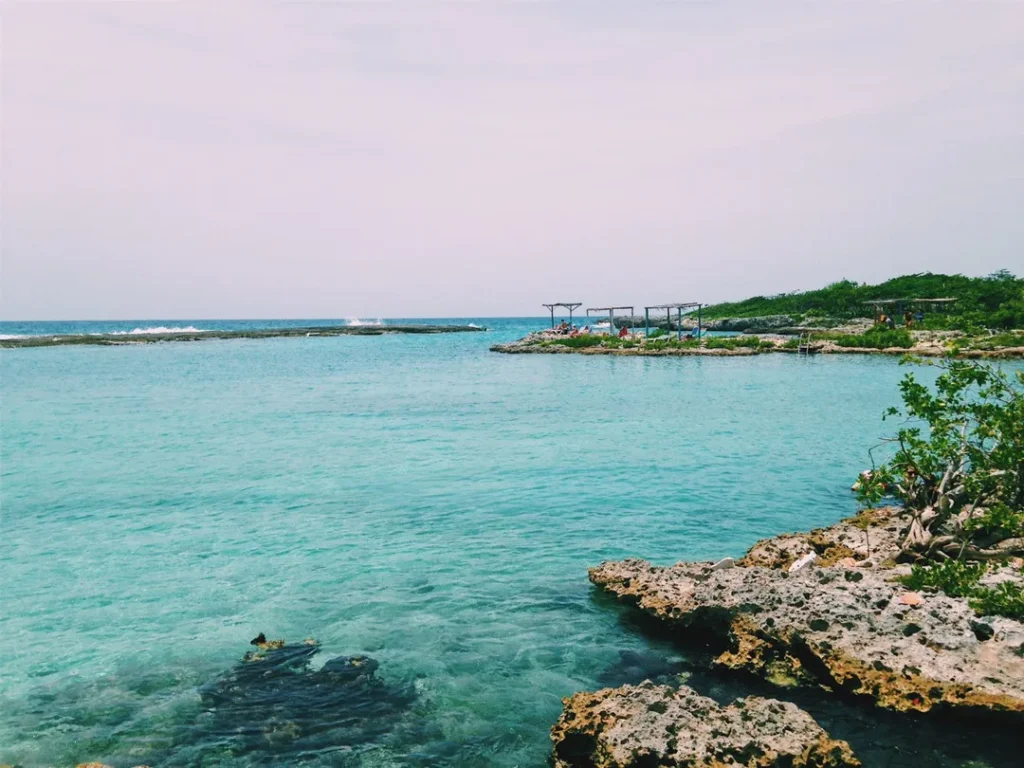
[362, 159]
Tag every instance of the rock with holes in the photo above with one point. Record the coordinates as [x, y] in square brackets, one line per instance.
[873, 533]
[657, 725]
[848, 629]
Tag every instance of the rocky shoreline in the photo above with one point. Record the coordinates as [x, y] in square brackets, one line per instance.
[760, 324]
[930, 345]
[659, 725]
[817, 611]
[115, 339]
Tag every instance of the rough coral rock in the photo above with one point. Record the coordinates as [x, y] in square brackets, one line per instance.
[852, 630]
[657, 725]
[873, 534]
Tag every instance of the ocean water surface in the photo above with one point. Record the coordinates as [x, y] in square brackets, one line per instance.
[418, 499]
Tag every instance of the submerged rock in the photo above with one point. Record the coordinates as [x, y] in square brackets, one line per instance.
[637, 666]
[657, 725]
[274, 703]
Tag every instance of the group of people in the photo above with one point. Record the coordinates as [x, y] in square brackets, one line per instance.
[909, 319]
[572, 331]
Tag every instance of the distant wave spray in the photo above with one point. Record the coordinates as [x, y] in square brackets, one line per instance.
[159, 329]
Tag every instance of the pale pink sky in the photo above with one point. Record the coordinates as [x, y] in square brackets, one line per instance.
[326, 159]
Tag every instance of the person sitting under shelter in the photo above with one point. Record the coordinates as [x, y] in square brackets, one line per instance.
[623, 332]
[563, 327]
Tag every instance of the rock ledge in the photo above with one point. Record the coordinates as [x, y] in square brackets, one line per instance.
[657, 725]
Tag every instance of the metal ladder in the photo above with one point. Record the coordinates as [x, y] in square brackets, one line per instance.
[804, 344]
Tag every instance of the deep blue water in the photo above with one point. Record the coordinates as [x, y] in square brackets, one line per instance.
[415, 498]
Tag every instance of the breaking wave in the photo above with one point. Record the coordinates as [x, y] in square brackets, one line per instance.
[355, 321]
[159, 329]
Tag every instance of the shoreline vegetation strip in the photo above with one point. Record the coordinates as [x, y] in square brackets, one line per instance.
[892, 342]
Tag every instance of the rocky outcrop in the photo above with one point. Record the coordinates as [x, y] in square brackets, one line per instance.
[658, 725]
[764, 324]
[824, 608]
[929, 345]
[872, 535]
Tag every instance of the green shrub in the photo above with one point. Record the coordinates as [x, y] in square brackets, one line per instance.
[578, 342]
[1008, 339]
[876, 338]
[1004, 599]
[954, 577]
[732, 342]
[957, 578]
[998, 522]
[960, 449]
[958, 469]
[671, 343]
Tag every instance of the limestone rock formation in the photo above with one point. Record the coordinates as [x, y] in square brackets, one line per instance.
[658, 725]
[850, 629]
[872, 537]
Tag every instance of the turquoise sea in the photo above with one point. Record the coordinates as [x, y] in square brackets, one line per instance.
[418, 499]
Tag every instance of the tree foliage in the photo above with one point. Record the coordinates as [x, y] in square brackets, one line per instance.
[958, 468]
[959, 463]
[995, 301]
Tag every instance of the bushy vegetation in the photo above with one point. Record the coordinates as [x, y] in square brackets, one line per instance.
[954, 577]
[732, 342]
[958, 468]
[995, 301]
[958, 578]
[1004, 599]
[661, 341]
[581, 341]
[1008, 339]
[672, 343]
[878, 337]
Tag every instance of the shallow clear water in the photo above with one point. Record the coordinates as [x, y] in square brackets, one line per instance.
[415, 498]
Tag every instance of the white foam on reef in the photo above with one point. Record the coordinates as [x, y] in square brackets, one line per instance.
[356, 322]
[159, 329]
[4, 336]
[474, 325]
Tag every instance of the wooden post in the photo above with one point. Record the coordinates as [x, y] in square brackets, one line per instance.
[552, 308]
[699, 332]
[647, 322]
